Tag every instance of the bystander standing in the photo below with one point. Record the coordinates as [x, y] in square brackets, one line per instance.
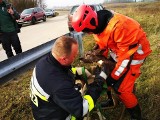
[8, 29]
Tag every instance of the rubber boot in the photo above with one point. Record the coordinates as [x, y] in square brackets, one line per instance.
[135, 112]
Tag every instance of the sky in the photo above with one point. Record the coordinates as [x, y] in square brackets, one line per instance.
[61, 3]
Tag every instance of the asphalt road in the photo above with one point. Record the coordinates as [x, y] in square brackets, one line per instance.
[42, 32]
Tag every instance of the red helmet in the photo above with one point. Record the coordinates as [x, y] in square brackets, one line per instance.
[84, 17]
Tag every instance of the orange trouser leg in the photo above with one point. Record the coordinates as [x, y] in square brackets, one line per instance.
[126, 89]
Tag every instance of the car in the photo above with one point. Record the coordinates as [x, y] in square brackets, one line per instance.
[95, 7]
[32, 15]
[49, 12]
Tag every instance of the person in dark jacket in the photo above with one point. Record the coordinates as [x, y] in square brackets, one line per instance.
[9, 27]
[53, 92]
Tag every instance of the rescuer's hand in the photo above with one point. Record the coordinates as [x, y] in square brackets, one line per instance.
[100, 74]
[111, 81]
[95, 88]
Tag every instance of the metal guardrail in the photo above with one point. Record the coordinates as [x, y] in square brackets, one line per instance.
[18, 64]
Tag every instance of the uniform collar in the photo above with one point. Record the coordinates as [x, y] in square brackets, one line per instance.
[104, 17]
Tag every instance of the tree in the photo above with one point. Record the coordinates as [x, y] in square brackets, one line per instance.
[20, 5]
[41, 4]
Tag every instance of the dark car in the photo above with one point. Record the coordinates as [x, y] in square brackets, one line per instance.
[32, 15]
[95, 7]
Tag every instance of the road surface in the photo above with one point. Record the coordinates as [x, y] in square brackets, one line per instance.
[42, 32]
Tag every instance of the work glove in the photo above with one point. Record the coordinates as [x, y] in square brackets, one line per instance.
[107, 67]
[111, 81]
[100, 74]
[95, 88]
[78, 86]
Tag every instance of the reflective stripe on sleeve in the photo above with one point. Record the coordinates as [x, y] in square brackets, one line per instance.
[85, 106]
[122, 67]
[139, 50]
[85, 110]
[73, 118]
[136, 62]
[90, 102]
[36, 88]
[73, 70]
[103, 75]
[113, 55]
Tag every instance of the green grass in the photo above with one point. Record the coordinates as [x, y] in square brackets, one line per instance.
[15, 104]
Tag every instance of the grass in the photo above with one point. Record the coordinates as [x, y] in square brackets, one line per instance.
[15, 101]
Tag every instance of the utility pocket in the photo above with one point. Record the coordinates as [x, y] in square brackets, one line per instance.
[135, 70]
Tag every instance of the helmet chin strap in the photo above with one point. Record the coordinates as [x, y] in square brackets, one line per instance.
[87, 30]
[104, 17]
[94, 31]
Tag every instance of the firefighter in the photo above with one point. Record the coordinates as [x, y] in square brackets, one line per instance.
[125, 41]
[52, 87]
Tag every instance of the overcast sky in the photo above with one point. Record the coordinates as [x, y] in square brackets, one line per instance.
[51, 3]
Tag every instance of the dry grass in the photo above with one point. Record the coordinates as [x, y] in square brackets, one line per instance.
[14, 97]
[15, 104]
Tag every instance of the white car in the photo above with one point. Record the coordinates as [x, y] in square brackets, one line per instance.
[49, 12]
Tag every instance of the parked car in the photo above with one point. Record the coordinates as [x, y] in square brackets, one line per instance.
[95, 7]
[49, 12]
[32, 15]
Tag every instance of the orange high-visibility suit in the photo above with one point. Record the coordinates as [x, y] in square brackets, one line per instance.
[127, 44]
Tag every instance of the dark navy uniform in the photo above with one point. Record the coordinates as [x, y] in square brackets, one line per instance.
[53, 94]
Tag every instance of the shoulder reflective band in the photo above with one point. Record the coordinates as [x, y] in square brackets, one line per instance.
[36, 88]
[36, 92]
[74, 70]
[90, 102]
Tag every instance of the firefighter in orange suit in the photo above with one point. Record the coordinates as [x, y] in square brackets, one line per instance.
[125, 41]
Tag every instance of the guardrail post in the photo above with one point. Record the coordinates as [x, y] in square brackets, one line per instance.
[78, 37]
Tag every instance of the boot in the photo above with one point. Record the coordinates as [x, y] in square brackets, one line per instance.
[9, 54]
[135, 112]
